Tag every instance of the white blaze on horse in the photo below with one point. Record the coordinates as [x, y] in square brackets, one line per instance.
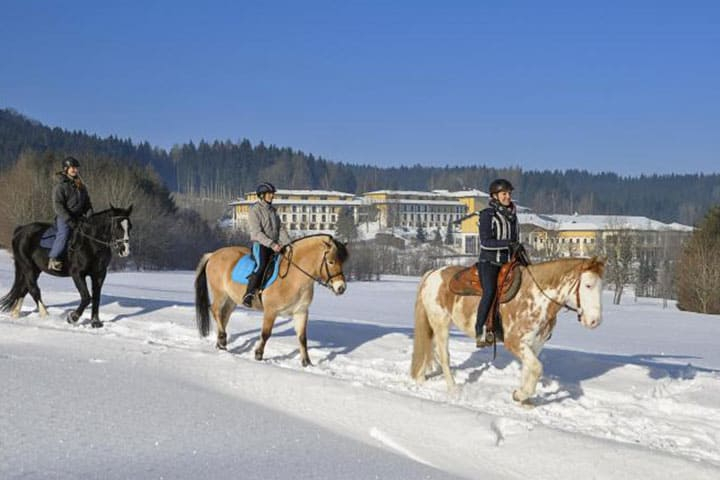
[527, 319]
[316, 258]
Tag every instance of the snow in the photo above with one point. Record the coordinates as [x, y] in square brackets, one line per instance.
[598, 222]
[145, 397]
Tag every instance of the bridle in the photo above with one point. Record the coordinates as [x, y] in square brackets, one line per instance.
[577, 309]
[115, 243]
[324, 265]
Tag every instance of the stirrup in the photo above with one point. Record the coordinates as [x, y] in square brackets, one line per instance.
[248, 299]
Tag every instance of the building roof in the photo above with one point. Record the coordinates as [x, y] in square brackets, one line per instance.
[462, 193]
[561, 222]
[409, 193]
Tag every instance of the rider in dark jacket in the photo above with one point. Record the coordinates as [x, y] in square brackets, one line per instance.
[71, 202]
[499, 235]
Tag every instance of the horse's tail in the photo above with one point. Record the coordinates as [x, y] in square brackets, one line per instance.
[19, 288]
[423, 338]
[202, 299]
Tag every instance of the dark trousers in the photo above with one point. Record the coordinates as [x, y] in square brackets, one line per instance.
[264, 256]
[489, 277]
[61, 238]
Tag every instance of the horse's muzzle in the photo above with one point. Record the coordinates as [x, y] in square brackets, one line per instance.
[339, 289]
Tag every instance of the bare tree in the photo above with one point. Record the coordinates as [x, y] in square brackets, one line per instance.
[618, 248]
[698, 271]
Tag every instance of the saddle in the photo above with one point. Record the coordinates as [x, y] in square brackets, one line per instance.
[248, 265]
[466, 282]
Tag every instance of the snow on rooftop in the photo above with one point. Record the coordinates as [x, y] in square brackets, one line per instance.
[462, 193]
[563, 222]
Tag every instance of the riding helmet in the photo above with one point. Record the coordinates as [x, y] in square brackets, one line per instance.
[500, 185]
[70, 162]
[265, 187]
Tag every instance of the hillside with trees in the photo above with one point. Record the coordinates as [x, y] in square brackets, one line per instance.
[225, 169]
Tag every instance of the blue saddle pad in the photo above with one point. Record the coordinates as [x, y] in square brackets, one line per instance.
[247, 265]
[48, 237]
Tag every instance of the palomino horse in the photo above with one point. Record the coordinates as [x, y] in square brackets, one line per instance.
[528, 319]
[316, 258]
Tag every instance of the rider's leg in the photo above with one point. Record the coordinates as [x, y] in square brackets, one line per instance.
[59, 244]
[488, 277]
[256, 278]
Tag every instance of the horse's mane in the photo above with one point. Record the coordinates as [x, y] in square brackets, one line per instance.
[342, 251]
[593, 264]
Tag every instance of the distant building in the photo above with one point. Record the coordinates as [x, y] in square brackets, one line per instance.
[313, 211]
[410, 209]
[584, 235]
[303, 211]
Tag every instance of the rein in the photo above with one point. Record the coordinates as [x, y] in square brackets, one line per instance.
[577, 309]
[115, 243]
[325, 283]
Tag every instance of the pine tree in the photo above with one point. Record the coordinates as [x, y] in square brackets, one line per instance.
[345, 229]
[449, 234]
[437, 238]
[421, 235]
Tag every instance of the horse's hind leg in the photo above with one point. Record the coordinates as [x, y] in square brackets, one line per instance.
[443, 353]
[268, 322]
[34, 290]
[17, 307]
[221, 314]
[301, 319]
[225, 311]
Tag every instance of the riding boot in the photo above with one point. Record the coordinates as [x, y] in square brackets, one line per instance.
[55, 264]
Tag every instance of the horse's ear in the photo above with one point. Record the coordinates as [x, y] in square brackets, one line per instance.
[111, 206]
[129, 210]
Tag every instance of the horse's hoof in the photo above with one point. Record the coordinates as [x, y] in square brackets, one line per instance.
[220, 346]
[258, 355]
[523, 400]
[72, 318]
[306, 362]
[96, 324]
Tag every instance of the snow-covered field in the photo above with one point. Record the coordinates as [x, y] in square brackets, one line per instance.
[145, 397]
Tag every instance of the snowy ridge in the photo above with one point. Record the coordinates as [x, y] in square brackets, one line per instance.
[628, 400]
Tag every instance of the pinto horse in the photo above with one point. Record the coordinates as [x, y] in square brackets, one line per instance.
[315, 258]
[89, 253]
[527, 319]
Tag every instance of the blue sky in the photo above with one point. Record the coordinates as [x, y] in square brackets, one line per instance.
[631, 87]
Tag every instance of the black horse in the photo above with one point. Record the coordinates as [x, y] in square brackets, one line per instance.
[88, 254]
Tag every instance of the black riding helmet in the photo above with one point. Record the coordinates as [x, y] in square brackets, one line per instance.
[500, 185]
[70, 162]
[265, 187]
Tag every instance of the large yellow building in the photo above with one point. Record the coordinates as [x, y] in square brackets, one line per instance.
[410, 209]
[303, 211]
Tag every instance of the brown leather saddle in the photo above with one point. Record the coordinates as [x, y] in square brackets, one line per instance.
[466, 282]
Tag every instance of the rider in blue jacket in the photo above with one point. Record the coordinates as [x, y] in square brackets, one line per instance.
[499, 236]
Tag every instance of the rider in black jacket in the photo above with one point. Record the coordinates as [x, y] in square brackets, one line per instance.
[71, 202]
[499, 236]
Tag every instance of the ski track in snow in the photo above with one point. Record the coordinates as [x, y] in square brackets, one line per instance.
[665, 407]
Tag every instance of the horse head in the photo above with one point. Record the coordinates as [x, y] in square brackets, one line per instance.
[335, 255]
[588, 292]
[120, 227]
